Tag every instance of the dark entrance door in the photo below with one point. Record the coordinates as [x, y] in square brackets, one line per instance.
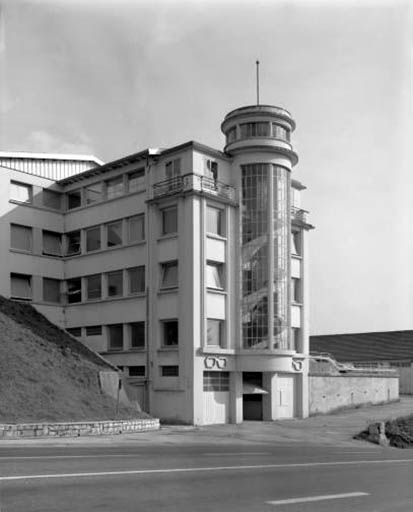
[252, 402]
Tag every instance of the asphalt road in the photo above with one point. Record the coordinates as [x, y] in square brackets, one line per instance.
[201, 478]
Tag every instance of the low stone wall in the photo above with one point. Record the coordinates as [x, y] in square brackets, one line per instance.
[85, 428]
[330, 392]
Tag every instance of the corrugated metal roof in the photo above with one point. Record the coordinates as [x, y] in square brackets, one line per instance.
[368, 346]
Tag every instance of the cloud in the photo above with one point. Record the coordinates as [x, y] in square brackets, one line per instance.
[42, 141]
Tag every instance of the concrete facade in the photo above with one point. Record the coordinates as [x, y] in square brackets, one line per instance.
[184, 267]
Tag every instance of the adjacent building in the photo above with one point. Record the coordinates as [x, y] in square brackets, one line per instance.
[186, 267]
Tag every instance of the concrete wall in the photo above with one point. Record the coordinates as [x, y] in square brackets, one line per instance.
[330, 392]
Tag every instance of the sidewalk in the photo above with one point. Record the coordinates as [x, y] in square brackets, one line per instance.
[329, 430]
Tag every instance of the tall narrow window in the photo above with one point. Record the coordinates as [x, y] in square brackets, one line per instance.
[94, 287]
[136, 180]
[214, 275]
[93, 239]
[295, 290]
[52, 243]
[21, 192]
[51, 290]
[169, 220]
[215, 332]
[173, 168]
[136, 228]
[136, 278]
[114, 187]
[52, 199]
[115, 336]
[115, 283]
[74, 199]
[73, 243]
[215, 221]
[74, 290]
[170, 333]
[21, 237]
[93, 193]
[137, 334]
[295, 243]
[169, 271]
[114, 234]
[21, 286]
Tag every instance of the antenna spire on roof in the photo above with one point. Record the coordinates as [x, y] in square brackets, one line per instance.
[258, 81]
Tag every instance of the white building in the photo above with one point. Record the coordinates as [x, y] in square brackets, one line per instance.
[186, 267]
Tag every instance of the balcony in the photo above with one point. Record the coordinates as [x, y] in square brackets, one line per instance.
[298, 214]
[193, 182]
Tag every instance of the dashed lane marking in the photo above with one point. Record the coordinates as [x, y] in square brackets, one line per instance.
[199, 469]
[318, 498]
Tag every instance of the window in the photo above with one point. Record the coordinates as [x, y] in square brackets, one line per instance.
[215, 221]
[52, 243]
[94, 330]
[73, 243]
[21, 237]
[51, 290]
[136, 279]
[115, 336]
[295, 335]
[216, 381]
[94, 287]
[169, 220]
[74, 199]
[114, 234]
[74, 290]
[214, 275]
[75, 331]
[21, 192]
[169, 271]
[93, 239]
[137, 334]
[173, 168]
[295, 243]
[137, 371]
[231, 134]
[295, 290]
[21, 286]
[93, 193]
[259, 129]
[136, 180]
[212, 169]
[280, 132]
[115, 283]
[136, 228]
[114, 187]
[215, 332]
[170, 371]
[170, 333]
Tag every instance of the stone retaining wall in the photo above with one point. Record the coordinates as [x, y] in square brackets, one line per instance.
[84, 428]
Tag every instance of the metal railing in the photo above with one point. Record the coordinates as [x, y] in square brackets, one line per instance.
[298, 214]
[190, 182]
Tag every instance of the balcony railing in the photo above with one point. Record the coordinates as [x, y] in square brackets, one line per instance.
[298, 214]
[193, 182]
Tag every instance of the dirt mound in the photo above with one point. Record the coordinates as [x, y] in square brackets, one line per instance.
[46, 375]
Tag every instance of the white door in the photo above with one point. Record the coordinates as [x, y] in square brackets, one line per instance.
[285, 396]
[216, 407]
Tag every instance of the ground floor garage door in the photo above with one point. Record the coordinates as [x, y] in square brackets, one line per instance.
[285, 396]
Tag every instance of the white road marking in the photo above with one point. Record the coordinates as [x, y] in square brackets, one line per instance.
[318, 498]
[210, 468]
[35, 457]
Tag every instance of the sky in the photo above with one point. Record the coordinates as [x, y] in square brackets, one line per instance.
[111, 78]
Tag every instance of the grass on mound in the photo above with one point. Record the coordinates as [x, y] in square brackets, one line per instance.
[46, 375]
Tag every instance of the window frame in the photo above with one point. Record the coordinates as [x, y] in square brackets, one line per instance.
[164, 372]
[73, 193]
[109, 328]
[139, 178]
[76, 291]
[57, 236]
[221, 232]
[166, 342]
[142, 335]
[58, 282]
[68, 245]
[108, 285]
[90, 230]
[140, 218]
[165, 269]
[140, 269]
[112, 191]
[27, 186]
[29, 279]
[29, 230]
[88, 289]
[89, 189]
[165, 228]
[109, 226]
[218, 272]
[221, 332]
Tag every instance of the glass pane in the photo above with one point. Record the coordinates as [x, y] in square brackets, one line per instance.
[169, 221]
[51, 290]
[74, 290]
[115, 283]
[52, 199]
[136, 228]
[136, 279]
[74, 199]
[214, 221]
[137, 332]
[94, 286]
[52, 243]
[170, 333]
[21, 286]
[93, 239]
[21, 237]
[114, 188]
[115, 334]
[93, 193]
[136, 180]
[169, 275]
[213, 277]
[214, 332]
[20, 192]
[73, 243]
[114, 234]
